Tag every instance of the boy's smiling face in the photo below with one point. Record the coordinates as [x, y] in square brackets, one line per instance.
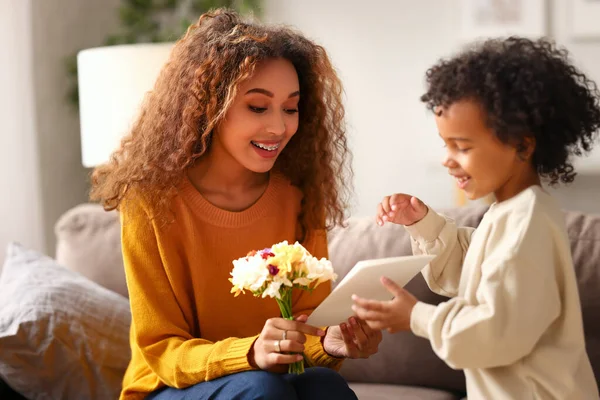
[476, 158]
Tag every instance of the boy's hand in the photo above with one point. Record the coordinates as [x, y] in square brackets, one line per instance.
[400, 209]
[393, 315]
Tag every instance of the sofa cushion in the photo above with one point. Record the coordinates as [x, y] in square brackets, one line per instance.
[584, 234]
[89, 242]
[376, 391]
[61, 335]
[403, 358]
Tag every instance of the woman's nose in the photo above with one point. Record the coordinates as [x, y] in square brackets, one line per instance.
[276, 124]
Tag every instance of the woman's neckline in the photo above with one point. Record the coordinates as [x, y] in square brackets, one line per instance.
[225, 218]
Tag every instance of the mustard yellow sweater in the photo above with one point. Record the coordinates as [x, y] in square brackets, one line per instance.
[186, 325]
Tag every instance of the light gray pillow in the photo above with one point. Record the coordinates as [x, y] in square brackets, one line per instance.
[88, 241]
[62, 336]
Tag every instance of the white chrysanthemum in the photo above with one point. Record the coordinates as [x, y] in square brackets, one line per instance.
[284, 280]
[302, 281]
[315, 270]
[249, 273]
[272, 290]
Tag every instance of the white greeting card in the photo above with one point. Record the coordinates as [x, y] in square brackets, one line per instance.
[364, 281]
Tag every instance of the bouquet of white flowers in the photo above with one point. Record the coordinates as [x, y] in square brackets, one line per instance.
[275, 272]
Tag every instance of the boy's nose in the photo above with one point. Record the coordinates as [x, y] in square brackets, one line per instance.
[448, 162]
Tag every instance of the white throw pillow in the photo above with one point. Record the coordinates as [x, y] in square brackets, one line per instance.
[62, 336]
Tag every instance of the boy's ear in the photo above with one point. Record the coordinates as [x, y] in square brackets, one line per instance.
[527, 148]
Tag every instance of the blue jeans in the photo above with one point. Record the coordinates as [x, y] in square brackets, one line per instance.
[314, 384]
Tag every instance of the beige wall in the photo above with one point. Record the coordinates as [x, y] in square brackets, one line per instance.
[59, 28]
[40, 169]
[382, 49]
[20, 202]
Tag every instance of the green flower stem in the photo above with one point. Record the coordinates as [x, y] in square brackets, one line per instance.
[285, 306]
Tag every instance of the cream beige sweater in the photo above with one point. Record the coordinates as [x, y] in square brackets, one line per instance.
[513, 322]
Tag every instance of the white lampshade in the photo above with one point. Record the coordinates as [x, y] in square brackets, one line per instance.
[112, 83]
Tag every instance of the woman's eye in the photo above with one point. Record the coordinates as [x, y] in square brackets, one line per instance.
[463, 150]
[258, 110]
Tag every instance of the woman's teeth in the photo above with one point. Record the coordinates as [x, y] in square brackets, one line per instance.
[272, 147]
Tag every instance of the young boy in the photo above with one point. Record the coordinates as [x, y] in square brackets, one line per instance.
[511, 113]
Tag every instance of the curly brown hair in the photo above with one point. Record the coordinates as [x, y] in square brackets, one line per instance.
[529, 88]
[193, 93]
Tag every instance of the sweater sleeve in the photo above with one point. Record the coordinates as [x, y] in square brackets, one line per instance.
[160, 328]
[516, 301]
[305, 303]
[439, 236]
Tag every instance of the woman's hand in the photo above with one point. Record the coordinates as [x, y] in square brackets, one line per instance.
[280, 336]
[354, 339]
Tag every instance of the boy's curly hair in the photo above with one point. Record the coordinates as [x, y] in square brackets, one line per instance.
[528, 89]
[193, 93]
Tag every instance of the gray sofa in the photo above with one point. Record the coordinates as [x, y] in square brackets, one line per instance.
[405, 367]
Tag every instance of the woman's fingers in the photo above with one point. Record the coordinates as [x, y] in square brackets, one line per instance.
[286, 346]
[282, 324]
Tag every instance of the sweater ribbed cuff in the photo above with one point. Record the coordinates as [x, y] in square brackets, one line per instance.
[427, 229]
[235, 358]
[420, 318]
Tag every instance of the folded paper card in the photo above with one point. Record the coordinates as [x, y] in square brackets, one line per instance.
[364, 281]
